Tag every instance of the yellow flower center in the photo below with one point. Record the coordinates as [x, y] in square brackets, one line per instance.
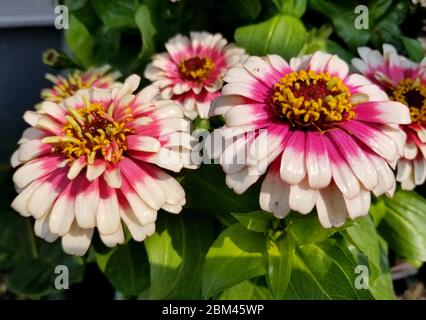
[413, 94]
[92, 132]
[67, 88]
[312, 100]
[196, 69]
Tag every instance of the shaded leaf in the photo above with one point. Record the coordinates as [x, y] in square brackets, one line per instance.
[404, 225]
[235, 256]
[258, 221]
[324, 271]
[292, 7]
[280, 254]
[176, 255]
[127, 268]
[116, 13]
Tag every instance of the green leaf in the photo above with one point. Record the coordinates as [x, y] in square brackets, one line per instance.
[292, 7]
[73, 5]
[333, 47]
[147, 29]
[378, 8]
[404, 225]
[324, 271]
[364, 236]
[387, 29]
[35, 276]
[207, 192]
[280, 254]
[282, 34]
[247, 290]
[127, 268]
[414, 48]
[317, 40]
[246, 9]
[382, 287]
[307, 229]
[343, 16]
[79, 41]
[116, 13]
[257, 221]
[378, 210]
[107, 45]
[176, 255]
[235, 256]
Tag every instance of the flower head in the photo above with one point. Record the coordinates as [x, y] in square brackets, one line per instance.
[192, 69]
[325, 137]
[64, 87]
[93, 161]
[405, 82]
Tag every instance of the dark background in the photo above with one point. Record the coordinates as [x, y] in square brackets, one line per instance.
[21, 78]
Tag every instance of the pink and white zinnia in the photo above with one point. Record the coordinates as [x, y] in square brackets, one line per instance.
[191, 71]
[93, 161]
[404, 81]
[325, 137]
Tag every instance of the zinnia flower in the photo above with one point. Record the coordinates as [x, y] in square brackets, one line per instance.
[192, 69]
[64, 87]
[93, 161]
[405, 82]
[328, 136]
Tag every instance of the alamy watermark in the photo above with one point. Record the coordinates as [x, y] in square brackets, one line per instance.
[62, 279]
[362, 278]
[62, 17]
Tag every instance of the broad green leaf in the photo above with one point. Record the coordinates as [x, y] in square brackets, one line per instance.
[378, 210]
[343, 16]
[387, 28]
[79, 41]
[324, 271]
[207, 192]
[364, 236]
[176, 255]
[258, 221]
[34, 276]
[282, 34]
[292, 7]
[147, 29]
[307, 229]
[414, 48]
[127, 268]
[382, 287]
[246, 9]
[116, 13]
[404, 225]
[378, 8]
[280, 254]
[247, 290]
[236, 255]
[74, 4]
[107, 45]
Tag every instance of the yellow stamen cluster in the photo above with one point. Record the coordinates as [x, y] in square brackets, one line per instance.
[413, 94]
[70, 85]
[310, 99]
[92, 132]
[196, 68]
